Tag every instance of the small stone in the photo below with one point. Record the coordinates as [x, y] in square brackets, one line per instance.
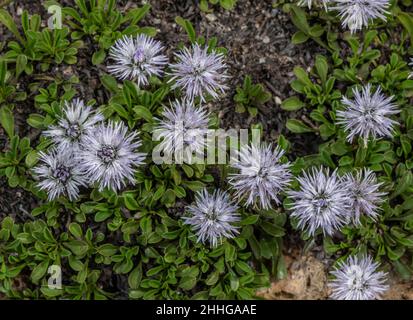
[19, 11]
[266, 39]
[211, 17]
[278, 101]
[262, 60]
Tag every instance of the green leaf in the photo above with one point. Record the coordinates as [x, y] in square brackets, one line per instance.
[187, 26]
[321, 66]
[187, 283]
[299, 37]
[273, 229]
[406, 20]
[251, 219]
[292, 104]
[130, 202]
[21, 63]
[39, 271]
[135, 277]
[98, 57]
[7, 121]
[78, 247]
[76, 230]
[143, 112]
[297, 126]
[109, 83]
[8, 21]
[107, 249]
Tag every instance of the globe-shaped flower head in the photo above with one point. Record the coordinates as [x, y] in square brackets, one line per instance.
[183, 129]
[367, 115]
[137, 58]
[198, 72]
[76, 122]
[356, 14]
[59, 175]
[364, 194]
[358, 279]
[261, 175]
[321, 202]
[212, 217]
[110, 156]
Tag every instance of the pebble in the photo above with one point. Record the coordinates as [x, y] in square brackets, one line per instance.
[211, 17]
[266, 39]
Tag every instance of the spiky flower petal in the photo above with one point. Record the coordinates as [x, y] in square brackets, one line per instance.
[212, 217]
[110, 156]
[261, 175]
[367, 115]
[77, 121]
[309, 3]
[356, 14]
[364, 196]
[198, 72]
[183, 129]
[321, 202]
[137, 58]
[59, 174]
[358, 279]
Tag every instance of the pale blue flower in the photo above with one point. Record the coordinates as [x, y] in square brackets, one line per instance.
[358, 279]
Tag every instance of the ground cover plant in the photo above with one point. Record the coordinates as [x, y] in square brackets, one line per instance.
[106, 107]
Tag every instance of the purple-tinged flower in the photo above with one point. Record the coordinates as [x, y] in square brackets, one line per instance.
[261, 175]
[358, 279]
[198, 72]
[364, 194]
[183, 129]
[109, 156]
[137, 58]
[356, 14]
[212, 217]
[321, 202]
[367, 115]
[77, 121]
[59, 175]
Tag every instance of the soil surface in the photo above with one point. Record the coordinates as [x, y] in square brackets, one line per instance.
[257, 35]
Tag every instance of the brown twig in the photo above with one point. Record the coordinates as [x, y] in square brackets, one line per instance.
[308, 121]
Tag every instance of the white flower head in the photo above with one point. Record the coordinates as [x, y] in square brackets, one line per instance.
[137, 58]
[109, 156]
[261, 175]
[212, 217]
[59, 175]
[356, 14]
[77, 121]
[183, 129]
[321, 202]
[198, 72]
[358, 279]
[364, 194]
[367, 115]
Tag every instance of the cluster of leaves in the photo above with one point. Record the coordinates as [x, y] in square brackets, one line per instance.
[378, 57]
[132, 244]
[250, 97]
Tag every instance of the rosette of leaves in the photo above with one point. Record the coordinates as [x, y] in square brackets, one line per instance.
[104, 23]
